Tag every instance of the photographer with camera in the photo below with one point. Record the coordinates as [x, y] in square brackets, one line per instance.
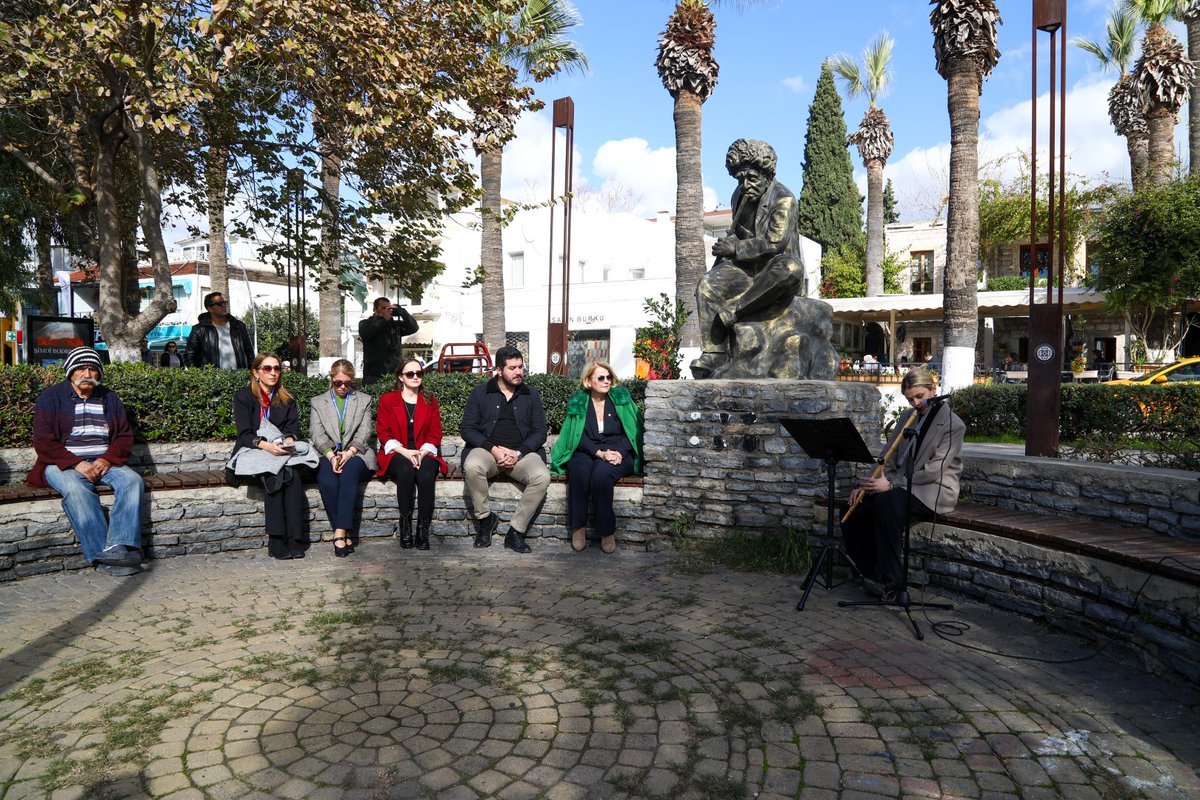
[382, 334]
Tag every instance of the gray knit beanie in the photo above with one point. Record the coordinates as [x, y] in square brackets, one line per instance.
[82, 357]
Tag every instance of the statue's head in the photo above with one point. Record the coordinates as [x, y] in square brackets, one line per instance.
[752, 162]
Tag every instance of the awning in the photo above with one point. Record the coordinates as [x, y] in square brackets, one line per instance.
[916, 307]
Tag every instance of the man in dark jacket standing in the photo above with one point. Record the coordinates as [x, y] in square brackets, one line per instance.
[504, 428]
[382, 333]
[82, 438]
[219, 338]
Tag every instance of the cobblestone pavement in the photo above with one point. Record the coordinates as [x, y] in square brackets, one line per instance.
[461, 674]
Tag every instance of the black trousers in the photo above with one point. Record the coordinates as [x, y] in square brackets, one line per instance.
[408, 479]
[592, 479]
[285, 513]
[874, 534]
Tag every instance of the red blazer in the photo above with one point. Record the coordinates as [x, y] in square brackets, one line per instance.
[391, 422]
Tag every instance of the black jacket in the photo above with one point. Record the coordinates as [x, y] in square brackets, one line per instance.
[204, 347]
[483, 409]
[381, 340]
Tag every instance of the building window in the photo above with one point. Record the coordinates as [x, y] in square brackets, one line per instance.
[1043, 258]
[921, 347]
[922, 271]
[516, 271]
[519, 340]
[606, 273]
[637, 273]
[584, 347]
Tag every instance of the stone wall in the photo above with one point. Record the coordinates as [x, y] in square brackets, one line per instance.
[718, 459]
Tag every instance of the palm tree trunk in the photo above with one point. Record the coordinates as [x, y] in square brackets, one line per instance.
[330, 299]
[491, 256]
[1193, 37]
[960, 324]
[45, 266]
[216, 171]
[1139, 153]
[690, 261]
[1161, 154]
[874, 271]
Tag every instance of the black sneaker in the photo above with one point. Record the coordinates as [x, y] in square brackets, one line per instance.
[515, 540]
[484, 528]
[120, 556]
[117, 571]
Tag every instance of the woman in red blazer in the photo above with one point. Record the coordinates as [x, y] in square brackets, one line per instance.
[409, 425]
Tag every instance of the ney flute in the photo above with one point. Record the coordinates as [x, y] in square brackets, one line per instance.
[912, 419]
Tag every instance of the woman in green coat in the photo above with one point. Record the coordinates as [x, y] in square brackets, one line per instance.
[600, 443]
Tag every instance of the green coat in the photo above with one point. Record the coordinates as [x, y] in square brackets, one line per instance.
[576, 417]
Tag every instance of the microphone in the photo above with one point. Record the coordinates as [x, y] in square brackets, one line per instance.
[941, 398]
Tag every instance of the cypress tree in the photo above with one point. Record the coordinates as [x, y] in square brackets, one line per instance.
[890, 214]
[830, 206]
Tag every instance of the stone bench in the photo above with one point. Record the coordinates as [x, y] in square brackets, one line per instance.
[193, 511]
[1080, 575]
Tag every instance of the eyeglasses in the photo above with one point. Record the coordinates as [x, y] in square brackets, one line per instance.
[341, 384]
[605, 378]
[270, 368]
[219, 303]
[414, 374]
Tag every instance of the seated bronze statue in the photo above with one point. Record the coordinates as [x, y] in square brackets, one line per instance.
[755, 321]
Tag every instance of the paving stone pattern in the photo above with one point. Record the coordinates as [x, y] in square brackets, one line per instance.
[459, 673]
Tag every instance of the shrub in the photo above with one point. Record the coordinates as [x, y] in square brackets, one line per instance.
[175, 405]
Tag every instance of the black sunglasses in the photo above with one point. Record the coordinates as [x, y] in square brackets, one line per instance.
[271, 368]
[604, 378]
[414, 374]
[219, 303]
[341, 384]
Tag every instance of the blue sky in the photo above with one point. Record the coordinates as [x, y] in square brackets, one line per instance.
[770, 57]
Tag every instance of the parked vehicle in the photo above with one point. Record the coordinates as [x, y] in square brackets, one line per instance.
[462, 357]
[1185, 370]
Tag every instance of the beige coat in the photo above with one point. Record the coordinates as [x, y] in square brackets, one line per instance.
[937, 468]
[360, 426]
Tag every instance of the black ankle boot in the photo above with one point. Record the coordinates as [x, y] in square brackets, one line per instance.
[515, 540]
[423, 534]
[406, 532]
[484, 528]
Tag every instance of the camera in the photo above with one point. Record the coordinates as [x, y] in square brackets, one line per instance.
[395, 312]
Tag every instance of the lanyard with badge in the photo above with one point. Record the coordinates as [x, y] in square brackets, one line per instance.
[341, 415]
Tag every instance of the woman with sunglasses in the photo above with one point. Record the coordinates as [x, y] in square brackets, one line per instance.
[170, 356]
[341, 426]
[409, 425]
[600, 443]
[266, 405]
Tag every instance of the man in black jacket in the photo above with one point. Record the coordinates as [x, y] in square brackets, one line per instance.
[382, 334]
[504, 428]
[219, 338]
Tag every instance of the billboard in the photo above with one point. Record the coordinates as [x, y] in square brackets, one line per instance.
[49, 339]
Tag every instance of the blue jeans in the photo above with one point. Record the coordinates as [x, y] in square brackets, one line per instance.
[339, 493]
[82, 505]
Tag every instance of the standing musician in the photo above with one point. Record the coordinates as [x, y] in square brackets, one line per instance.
[874, 532]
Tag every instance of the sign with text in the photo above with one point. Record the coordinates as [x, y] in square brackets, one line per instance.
[49, 339]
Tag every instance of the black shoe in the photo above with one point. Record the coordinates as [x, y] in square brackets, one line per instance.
[884, 591]
[342, 550]
[117, 570]
[484, 528]
[423, 534]
[515, 540]
[405, 532]
[120, 556]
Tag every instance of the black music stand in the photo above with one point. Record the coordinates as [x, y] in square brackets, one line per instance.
[831, 440]
[903, 600]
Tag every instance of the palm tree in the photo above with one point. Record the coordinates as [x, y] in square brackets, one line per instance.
[964, 43]
[537, 48]
[874, 140]
[1124, 103]
[689, 72]
[1189, 12]
[1163, 76]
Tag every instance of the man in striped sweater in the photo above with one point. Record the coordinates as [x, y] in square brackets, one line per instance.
[82, 438]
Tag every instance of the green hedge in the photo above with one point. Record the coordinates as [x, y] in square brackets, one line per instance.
[174, 405]
[1161, 421]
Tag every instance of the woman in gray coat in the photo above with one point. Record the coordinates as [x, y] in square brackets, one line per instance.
[342, 427]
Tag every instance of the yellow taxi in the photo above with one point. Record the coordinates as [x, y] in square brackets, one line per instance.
[1185, 370]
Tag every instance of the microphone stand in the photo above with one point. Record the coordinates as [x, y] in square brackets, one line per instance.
[903, 600]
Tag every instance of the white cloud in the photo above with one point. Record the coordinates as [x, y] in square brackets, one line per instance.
[1094, 150]
[795, 83]
[650, 173]
[526, 175]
